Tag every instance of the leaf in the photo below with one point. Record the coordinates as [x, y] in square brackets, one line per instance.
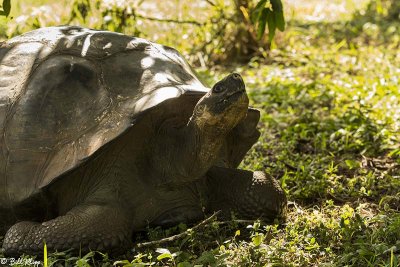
[255, 15]
[257, 239]
[124, 263]
[88, 255]
[256, 225]
[271, 26]
[262, 22]
[184, 264]
[6, 8]
[352, 164]
[271, 15]
[164, 256]
[237, 233]
[279, 20]
[276, 5]
[165, 253]
[207, 258]
[45, 255]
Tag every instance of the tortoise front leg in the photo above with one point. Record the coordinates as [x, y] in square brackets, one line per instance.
[87, 227]
[250, 195]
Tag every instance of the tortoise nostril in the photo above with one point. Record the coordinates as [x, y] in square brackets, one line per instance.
[236, 76]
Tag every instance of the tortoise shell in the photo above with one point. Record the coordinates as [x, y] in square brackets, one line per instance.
[67, 91]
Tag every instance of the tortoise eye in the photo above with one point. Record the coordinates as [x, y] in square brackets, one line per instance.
[218, 89]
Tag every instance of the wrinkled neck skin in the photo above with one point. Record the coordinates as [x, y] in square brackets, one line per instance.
[181, 155]
[205, 141]
[184, 155]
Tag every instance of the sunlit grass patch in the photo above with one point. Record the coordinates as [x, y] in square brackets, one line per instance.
[322, 10]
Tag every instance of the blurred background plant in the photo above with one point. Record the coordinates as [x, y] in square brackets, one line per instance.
[5, 8]
[208, 31]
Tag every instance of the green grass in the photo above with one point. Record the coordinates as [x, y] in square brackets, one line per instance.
[329, 98]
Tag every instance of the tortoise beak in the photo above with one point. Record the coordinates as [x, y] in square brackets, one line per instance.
[237, 82]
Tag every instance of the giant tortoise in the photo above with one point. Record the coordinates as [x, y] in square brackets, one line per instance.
[103, 135]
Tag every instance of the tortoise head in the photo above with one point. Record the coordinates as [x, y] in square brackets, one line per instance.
[224, 106]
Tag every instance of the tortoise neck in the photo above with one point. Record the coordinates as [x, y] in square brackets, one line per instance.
[206, 141]
[184, 155]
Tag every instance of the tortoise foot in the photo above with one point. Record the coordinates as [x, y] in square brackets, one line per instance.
[250, 195]
[18, 238]
[84, 228]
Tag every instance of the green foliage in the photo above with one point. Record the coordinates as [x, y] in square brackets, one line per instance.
[112, 16]
[268, 12]
[334, 121]
[6, 8]
[220, 31]
[382, 10]
[98, 14]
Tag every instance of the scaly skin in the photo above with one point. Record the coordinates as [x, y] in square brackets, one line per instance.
[251, 195]
[90, 226]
